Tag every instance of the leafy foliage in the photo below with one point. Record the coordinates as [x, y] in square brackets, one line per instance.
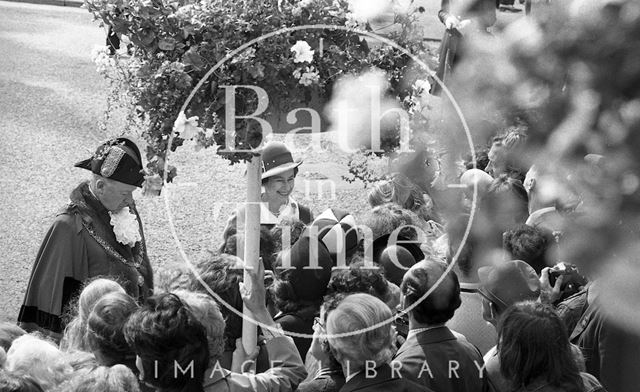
[176, 43]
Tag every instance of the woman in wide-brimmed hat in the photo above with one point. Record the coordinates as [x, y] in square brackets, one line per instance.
[279, 171]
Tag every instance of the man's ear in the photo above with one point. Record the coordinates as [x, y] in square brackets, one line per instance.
[101, 184]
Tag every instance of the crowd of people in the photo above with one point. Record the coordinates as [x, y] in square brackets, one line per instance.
[411, 297]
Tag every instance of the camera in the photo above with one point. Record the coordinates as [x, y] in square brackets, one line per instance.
[573, 281]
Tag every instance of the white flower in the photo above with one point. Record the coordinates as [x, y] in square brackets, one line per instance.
[351, 22]
[125, 226]
[102, 60]
[422, 86]
[186, 127]
[303, 52]
[307, 77]
[305, 3]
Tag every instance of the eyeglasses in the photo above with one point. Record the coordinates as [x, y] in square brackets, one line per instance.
[318, 321]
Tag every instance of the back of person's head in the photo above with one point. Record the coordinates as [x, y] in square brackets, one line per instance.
[475, 180]
[207, 311]
[395, 261]
[75, 332]
[15, 382]
[93, 292]
[302, 274]
[235, 242]
[105, 334]
[439, 306]
[168, 279]
[38, 358]
[506, 283]
[529, 244]
[482, 159]
[166, 335]
[355, 316]
[221, 274]
[386, 218]
[81, 361]
[293, 226]
[8, 333]
[117, 378]
[399, 189]
[360, 278]
[533, 345]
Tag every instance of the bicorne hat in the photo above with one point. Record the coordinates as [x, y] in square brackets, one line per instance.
[276, 159]
[117, 159]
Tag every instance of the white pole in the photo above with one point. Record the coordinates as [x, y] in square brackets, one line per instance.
[251, 244]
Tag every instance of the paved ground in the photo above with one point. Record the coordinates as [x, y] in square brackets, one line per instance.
[51, 99]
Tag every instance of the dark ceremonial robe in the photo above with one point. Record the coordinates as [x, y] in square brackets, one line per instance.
[81, 245]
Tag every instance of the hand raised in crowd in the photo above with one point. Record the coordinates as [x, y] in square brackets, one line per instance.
[241, 361]
[549, 294]
[454, 23]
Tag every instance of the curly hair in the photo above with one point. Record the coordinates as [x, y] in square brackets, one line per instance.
[400, 190]
[295, 226]
[221, 273]
[40, 359]
[117, 378]
[384, 219]
[441, 304]
[104, 329]
[167, 337]
[10, 382]
[354, 313]
[208, 312]
[529, 244]
[359, 279]
[533, 344]
[268, 245]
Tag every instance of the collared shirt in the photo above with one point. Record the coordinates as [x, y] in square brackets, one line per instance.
[413, 332]
[267, 217]
[535, 215]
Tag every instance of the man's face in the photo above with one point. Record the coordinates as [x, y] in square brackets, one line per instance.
[114, 195]
[496, 159]
[279, 187]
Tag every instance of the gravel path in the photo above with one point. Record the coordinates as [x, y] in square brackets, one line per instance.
[52, 101]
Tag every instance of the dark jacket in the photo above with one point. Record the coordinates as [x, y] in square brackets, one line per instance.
[381, 379]
[439, 360]
[300, 322]
[610, 352]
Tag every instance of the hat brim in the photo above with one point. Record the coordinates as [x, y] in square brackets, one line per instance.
[281, 169]
[85, 164]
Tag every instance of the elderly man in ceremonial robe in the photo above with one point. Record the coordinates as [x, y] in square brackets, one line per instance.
[99, 233]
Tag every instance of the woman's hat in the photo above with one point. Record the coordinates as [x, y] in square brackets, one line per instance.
[338, 231]
[309, 270]
[276, 159]
[117, 159]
